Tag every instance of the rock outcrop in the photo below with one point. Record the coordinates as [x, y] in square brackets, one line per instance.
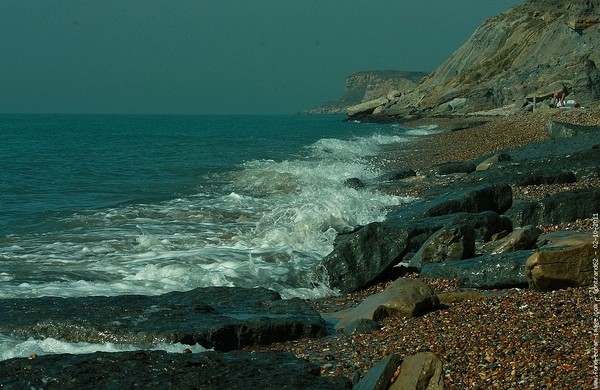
[366, 86]
[222, 318]
[162, 370]
[514, 62]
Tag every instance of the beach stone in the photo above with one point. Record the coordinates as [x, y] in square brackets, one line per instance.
[423, 371]
[488, 162]
[361, 326]
[403, 298]
[354, 183]
[223, 318]
[566, 262]
[566, 206]
[485, 272]
[398, 174]
[462, 197]
[379, 376]
[449, 243]
[162, 370]
[361, 257]
[520, 238]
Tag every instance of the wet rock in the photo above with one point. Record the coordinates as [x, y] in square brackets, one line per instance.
[367, 254]
[361, 257]
[162, 370]
[398, 174]
[423, 371]
[561, 207]
[403, 298]
[521, 238]
[485, 272]
[449, 243]
[475, 198]
[566, 262]
[379, 376]
[360, 326]
[354, 183]
[217, 317]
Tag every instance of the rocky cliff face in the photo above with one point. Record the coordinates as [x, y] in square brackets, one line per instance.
[365, 86]
[513, 61]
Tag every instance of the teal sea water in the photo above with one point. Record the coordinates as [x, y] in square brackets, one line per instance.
[108, 205]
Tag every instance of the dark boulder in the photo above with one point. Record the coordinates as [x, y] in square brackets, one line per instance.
[561, 207]
[398, 174]
[360, 326]
[486, 272]
[470, 198]
[369, 253]
[162, 370]
[222, 318]
[361, 257]
[454, 242]
[355, 183]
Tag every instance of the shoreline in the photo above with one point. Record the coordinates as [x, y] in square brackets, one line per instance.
[517, 337]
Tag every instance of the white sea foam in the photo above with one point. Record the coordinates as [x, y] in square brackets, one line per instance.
[14, 348]
[424, 130]
[270, 228]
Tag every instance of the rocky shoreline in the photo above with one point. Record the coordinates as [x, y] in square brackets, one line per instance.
[459, 284]
[497, 337]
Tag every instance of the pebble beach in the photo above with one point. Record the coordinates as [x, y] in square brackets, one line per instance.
[500, 339]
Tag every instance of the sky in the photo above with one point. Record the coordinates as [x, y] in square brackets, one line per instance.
[216, 56]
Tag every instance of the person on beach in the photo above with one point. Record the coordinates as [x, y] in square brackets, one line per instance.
[559, 97]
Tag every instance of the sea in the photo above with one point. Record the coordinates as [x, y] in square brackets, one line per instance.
[148, 204]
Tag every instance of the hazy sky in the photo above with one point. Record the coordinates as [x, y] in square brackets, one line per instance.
[216, 56]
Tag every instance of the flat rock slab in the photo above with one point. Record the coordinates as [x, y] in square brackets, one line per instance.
[487, 271]
[404, 298]
[564, 262]
[222, 318]
[161, 370]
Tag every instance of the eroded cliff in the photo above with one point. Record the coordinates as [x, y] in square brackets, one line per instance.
[512, 63]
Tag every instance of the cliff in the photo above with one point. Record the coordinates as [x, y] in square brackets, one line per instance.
[364, 86]
[512, 62]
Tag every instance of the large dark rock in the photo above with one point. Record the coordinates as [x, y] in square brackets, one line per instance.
[471, 198]
[558, 130]
[217, 317]
[487, 271]
[161, 370]
[561, 207]
[448, 243]
[547, 162]
[398, 174]
[367, 254]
